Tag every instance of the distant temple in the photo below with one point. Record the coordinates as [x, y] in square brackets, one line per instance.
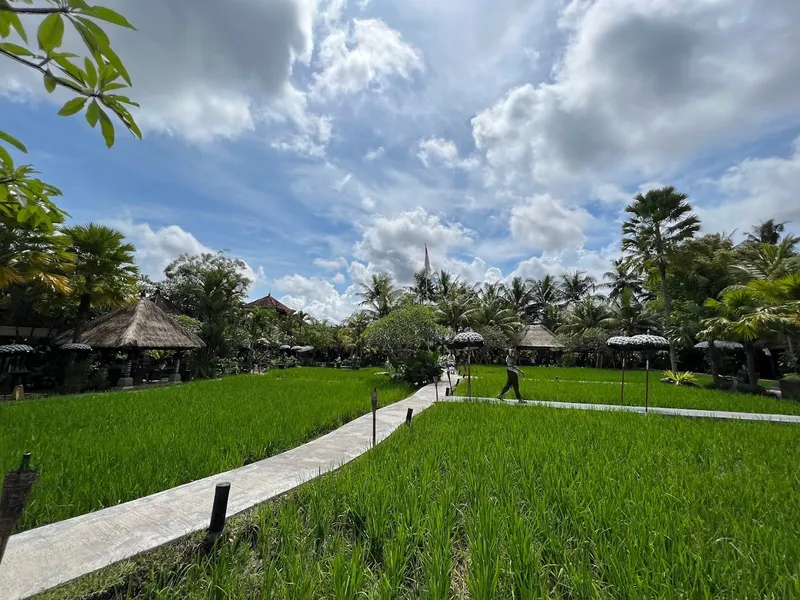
[269, 302]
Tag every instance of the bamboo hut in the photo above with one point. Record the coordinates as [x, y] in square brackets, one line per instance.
[541, 341]
[139, 326]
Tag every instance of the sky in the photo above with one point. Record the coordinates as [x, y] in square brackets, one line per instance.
[322, 141]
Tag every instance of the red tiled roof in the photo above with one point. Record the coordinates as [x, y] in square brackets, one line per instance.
[269, 302]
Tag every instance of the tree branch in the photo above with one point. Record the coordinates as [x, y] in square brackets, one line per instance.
[43, 71]
[35, 11]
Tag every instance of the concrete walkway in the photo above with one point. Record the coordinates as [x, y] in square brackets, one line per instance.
[48, 556]
[675, 412]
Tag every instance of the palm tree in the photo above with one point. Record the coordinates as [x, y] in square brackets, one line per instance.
[544, 293]
[660, 221]
[575, 286]
[445, 283]
[379, 295]
[424, 287]
[767, 232]
[33, 253]
[357, 324]
[768, 261]
[628, 316]
[492, 309]
[622, 277]
[456, 310]
[519, 295]
[589, 313]
[104, 273]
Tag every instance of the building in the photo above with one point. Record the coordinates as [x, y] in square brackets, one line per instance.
[269, 302]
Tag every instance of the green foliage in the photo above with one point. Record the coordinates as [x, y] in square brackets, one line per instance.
[496, 343]
[420, 368]
[792, 377]
[687, 378]
[98, 450]
[94, 77]
[317, 334]
[491, 502]
[403, 332]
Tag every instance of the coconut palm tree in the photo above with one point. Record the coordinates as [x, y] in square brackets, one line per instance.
[519, 296]
[544, 293]
[575, 286]
[379, 296]
[628, 316]
[768, 261]
[767, 232]
[424, 287]
[104, 274]
[660, 221]
[456, 310]
[446, 283]
[493, 310]
[33, 253]
[588, 313]
[357, 324]
[621, 277]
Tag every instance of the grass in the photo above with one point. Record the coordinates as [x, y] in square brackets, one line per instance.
[485, 502]
[602, 386]
[98, 450]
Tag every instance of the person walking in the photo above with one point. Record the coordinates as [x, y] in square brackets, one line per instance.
[512, 375]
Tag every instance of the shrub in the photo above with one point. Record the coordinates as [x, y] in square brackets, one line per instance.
[677, 378]
[421, 368]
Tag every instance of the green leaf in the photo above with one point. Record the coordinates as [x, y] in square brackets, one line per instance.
[106, 14]
[92, 113]
[6, 159]
[51, 32]
[99, 35]
[5, 26]
[91, 73]
[10, 19]
[16, 49]
[72, 106]
[114, 86]
[13, 141]
[70, 69]
[117, 64]
[49, 83]
[107, 128]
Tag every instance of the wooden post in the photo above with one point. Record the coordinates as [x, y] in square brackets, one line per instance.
[647, 384]
[623, 379]
[408, 416]
[219, 511]
[436, 383]
[469, 374]
[16, 487]
[374, 399]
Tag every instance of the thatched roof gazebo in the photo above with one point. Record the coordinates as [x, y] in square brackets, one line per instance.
[140, 326]
[538, 337]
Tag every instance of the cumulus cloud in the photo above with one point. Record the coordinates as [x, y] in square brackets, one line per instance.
[317, 297]
[397, 244]
[338, 278]
[642, 85]
[331, 264]
[156, 248]
[366, 56]
[593, 262]
[434, 150]
[756, 189]
[547, 224]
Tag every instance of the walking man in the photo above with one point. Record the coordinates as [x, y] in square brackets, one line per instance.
[512, 375]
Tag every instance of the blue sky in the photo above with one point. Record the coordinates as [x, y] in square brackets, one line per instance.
[321, 141]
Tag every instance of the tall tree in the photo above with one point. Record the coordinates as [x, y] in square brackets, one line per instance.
[424, 287]
[97, 79]
[456, 310]
[627, 315]
[622, 277]
[357, 324]
[378, 295]
[575, 286]
[545, 293]
[519, 296]
[446, 283]
[493, 310]
[660, 221]
[767, 232]
[104, 273]
[762, 260]
[589, 313]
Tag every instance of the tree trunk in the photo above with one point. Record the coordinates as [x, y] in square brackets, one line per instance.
[713, 358]
[83, 316]
[673, 357]
[750, 352]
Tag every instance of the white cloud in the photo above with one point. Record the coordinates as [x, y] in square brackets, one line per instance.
[317, 297]
[156, 248]
[338, 278]
[339, 185]
[363, 57]
[331, 265]
[756, 189]
[642, 85]
[434, 150]
[547, 224]
[375, 154]
[593, 262]
[397, 244]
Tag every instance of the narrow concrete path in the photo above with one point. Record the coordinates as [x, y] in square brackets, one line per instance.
[675, 412]
[48, 556]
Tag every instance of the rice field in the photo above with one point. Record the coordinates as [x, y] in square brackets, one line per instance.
[481, 501]
[602, 386]
[98, 450]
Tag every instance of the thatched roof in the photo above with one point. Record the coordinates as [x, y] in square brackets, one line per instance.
[142, 325]
[269, 302]
[538, 336]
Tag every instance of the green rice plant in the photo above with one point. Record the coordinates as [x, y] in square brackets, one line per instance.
[98, 450]
[574, 385]
[489, 501]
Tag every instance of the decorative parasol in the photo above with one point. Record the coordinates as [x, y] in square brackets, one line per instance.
[262, 343]
[285, 348]
[648, 343]
[15, 349]
[74, 347]
[303, 349]
[468, 340]
[720, 345]
[296, 348]
[623, 344]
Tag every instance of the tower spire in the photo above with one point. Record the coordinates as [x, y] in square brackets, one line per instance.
[427, 259]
